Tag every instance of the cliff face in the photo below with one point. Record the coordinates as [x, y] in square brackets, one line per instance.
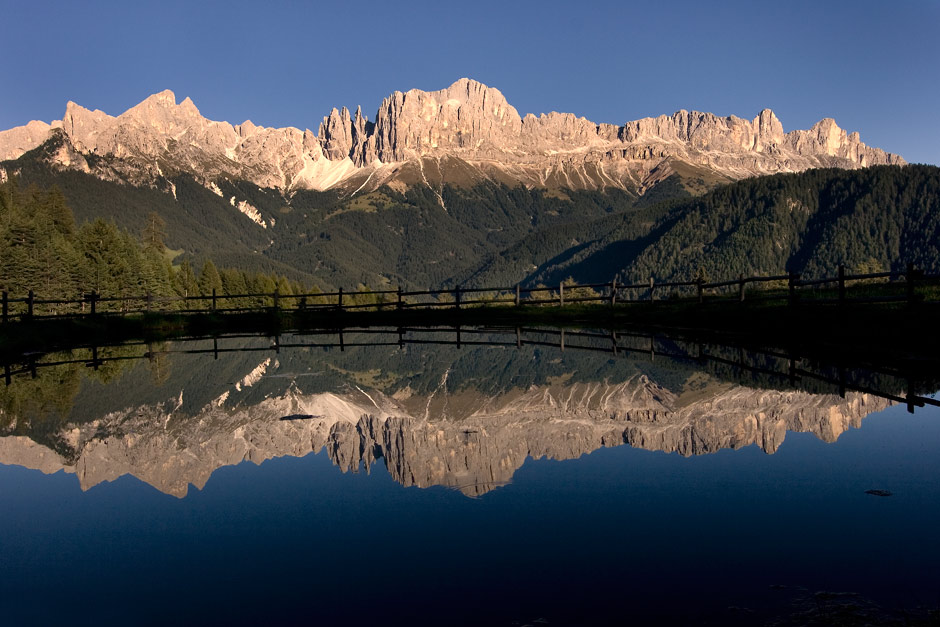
[456, 135]
[468, 442]
[16, 141]
[159, 137]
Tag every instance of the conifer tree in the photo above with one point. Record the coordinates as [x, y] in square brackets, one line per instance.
[209, 279]
[154, 232]
[58, 211]
[185, 282]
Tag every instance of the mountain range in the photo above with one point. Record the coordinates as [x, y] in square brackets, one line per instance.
[456, 187]
[460, 135]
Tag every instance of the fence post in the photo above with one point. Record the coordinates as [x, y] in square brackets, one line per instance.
[841, 283]
[909, 278]
[213, 299]
[794, 278]
[652, 285]
[613, 292]
[6, 306]
[909, 398]
[339, 305]
[29, 304]
[400, 303]
[94, 302]
[699, 282]
[149, 301]
[457, 297]
[518, 295]
[561, 294]
[741, 285]
[276, 299]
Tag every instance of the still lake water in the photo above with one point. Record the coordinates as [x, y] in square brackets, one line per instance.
[431, 484]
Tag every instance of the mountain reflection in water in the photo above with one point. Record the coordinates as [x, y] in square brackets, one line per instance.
[465, 415]
[785, 530]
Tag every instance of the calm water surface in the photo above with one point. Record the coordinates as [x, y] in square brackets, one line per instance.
[480, 486]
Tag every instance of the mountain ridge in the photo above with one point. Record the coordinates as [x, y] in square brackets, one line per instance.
[414, 132]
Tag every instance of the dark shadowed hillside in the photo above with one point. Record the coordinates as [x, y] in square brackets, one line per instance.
[871, 219]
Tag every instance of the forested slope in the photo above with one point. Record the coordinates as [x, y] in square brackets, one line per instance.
[870, 219]
[43, 249]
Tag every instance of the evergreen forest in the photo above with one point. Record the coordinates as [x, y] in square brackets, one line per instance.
[43, 249]
[871, 220]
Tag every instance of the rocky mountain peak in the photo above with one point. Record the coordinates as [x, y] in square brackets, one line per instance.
[468, 116]
[161, 113]
[829, 135]
[827, 138]
[16, 141]
[82, 125]
[335, 134]
[165, 98]
[768, 129]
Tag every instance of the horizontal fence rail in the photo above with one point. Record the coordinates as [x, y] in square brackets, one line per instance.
[912, 286]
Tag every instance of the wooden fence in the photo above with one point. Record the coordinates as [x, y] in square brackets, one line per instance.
[843, 288]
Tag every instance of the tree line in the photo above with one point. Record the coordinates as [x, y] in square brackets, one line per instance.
[43, 249]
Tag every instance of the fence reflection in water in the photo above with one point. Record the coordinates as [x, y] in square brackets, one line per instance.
[784, 368]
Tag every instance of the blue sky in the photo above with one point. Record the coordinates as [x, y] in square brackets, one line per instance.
[873, 66]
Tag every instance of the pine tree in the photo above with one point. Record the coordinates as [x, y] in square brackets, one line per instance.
[185, 282]
[284, 287]
[154, 233]
[209, 279]
[58, 211]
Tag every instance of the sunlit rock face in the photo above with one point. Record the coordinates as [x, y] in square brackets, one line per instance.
[16, 141]
[460, 135]
[463, 440]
